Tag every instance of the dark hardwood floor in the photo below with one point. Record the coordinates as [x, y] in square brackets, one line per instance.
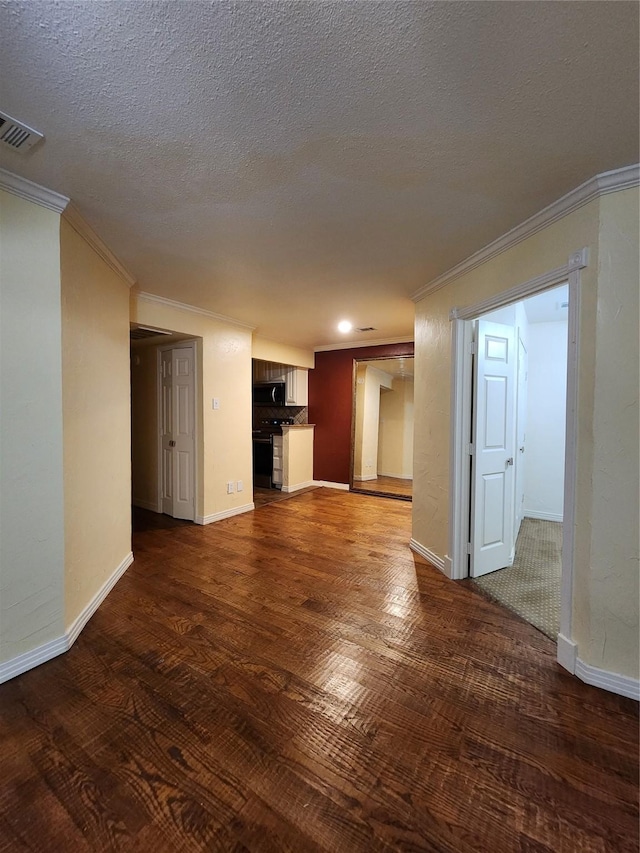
[262, 496]
[391, 487]
[295, 678]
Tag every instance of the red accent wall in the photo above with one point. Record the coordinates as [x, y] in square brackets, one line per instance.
[330, 405]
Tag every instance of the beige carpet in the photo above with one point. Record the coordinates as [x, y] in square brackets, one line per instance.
[531, 587]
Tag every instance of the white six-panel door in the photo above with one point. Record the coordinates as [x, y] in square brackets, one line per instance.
[492, 471]
[177, 432]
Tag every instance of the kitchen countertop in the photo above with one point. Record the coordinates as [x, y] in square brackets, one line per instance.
[297, 426]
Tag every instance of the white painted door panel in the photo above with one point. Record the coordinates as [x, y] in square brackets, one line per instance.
[178, 432]
[492, 461]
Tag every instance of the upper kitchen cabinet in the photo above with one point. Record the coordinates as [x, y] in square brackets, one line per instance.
[297, 386]
[296, 380]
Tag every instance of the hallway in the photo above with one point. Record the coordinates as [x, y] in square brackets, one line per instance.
[296, 678]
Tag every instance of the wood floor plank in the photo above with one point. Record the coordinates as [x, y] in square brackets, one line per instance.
[297, 679]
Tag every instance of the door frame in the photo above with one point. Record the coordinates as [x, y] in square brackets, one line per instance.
[352, 448]
[461, 383]
[193, 345]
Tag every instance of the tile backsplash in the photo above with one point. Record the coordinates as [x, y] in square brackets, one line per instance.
[300, 414]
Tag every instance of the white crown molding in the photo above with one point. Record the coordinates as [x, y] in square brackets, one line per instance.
[602, 184]
[43, 653]
[23, 188]
[226, 513]
[520, 291]
[192, 309]
[82, 227]
[430, 556]
[403, 339]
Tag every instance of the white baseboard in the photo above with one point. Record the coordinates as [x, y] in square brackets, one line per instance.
[298, 486]
[365, 478]
[430, 556]
[226, 513]
[448, 566]
[41, 654]
[568, 658]
[81, 620]
[47, 651]
[150, 505]
[543, 516]
[623, 685]
[567, 653]
[328, 484]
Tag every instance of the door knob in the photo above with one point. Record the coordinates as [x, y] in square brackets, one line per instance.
[522, 449]
[509, 462]
[172, 444]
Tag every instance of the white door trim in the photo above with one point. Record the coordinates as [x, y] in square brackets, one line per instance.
[459, 486]
[192, 344]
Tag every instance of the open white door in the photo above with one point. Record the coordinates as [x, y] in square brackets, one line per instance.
[177, 432]
[492, 474]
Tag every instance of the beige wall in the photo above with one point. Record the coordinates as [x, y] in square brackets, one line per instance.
[603, 412]
[266, 350]
[395, 442]
[31, 478]
[223, 356]
[96, 420]
[613, 636]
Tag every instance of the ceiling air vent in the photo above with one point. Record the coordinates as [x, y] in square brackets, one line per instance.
[366, 329]
[17, 136]
[141, 332]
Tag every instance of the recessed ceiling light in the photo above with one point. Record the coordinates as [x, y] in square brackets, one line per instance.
[344, 326]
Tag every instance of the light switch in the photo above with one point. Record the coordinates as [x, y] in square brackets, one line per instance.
[215, 403]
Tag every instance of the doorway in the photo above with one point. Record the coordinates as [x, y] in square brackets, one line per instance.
[518, 459]
[382, 427]
[456, 563]
[164, 422]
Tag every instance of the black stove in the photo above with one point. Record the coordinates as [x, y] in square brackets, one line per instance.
[271, 426]
[263, 449]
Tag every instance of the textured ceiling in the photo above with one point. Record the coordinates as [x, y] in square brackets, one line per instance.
[290, 164]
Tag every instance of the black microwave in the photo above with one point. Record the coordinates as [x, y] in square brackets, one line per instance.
[269, 394]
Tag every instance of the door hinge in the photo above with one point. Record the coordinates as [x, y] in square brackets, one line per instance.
[473, 348]
[469, 548]
[472, 449]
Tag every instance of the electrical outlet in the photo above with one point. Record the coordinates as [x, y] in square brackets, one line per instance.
[230, 487]
[240, 486]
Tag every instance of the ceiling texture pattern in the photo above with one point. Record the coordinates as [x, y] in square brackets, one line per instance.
[291, 164]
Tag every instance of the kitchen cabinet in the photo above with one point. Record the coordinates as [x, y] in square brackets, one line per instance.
[269, 371]
[297, 386]
[278, 467]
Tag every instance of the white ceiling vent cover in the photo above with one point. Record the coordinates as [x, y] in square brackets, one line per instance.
[17, 136]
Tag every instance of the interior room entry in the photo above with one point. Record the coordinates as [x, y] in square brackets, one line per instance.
[177, 431]
[518, 425]
[382, 427]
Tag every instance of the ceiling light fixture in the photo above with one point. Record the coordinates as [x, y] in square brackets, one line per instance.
[344, 326]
